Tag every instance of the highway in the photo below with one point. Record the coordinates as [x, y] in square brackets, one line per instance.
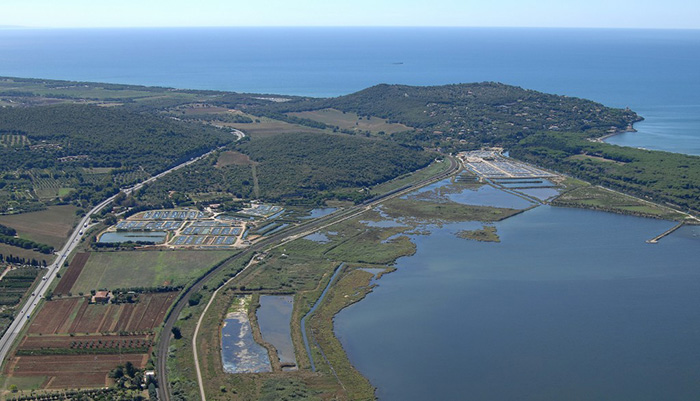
[32, 302]
[272, 241]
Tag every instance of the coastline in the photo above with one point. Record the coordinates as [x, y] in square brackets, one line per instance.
[630, 129]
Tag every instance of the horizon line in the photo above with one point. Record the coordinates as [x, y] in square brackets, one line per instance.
[25, 27]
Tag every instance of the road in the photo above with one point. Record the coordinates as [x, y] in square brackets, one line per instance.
[266, 243]
[32, 302]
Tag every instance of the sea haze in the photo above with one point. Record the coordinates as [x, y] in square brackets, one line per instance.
[654, 72]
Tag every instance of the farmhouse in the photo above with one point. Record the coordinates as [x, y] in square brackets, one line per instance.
[101, 296]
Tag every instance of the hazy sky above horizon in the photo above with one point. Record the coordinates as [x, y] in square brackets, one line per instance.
[673, 14]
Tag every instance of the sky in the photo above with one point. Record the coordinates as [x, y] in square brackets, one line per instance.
[667, 14]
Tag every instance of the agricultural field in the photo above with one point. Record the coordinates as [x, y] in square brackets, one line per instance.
[71, 275]
[270, 127]
[51, 188]
[91, 339]
[15, 283]
[14, 141]
[51, 226]
[76, 315]
[68, 371]
[129, 177]
[13, 286]
[130, 269]
[86, 344]
[232, 158]
[352, 121]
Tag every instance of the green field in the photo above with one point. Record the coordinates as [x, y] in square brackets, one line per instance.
[51, 226]
[144, 268]
[26, 383]
[27, 254]
[269, 127]
[420, 210]
[352, 121]
[401, 181]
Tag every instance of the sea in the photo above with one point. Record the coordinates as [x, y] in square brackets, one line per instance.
[654, 72]
[571, 304]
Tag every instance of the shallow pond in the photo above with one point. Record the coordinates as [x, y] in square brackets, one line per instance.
[274, 318]
[484, 195]
[320, 212]
[321, 238]
[239, 351]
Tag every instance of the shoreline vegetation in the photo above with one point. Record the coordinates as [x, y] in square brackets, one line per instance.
[485, 234]
[309, 152]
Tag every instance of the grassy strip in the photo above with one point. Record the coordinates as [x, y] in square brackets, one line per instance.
[331, 358]
[597, 198]
[407, 179]
[416, 210]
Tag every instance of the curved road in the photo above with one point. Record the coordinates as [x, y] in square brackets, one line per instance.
[31, 304]
[272, 241]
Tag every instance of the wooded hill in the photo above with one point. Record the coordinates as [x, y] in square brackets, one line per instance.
[108, 137]
[480, 113]
[298, 168]
[548, 130]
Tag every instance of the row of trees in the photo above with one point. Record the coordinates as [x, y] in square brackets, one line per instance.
[9, 231]
[17, 260]
[26, 244]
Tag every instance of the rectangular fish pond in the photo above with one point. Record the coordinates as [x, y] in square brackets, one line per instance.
[150, 236]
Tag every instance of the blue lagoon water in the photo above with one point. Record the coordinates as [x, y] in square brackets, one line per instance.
[654, 72]
[571, 305]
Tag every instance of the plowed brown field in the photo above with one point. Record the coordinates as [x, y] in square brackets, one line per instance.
[72, 371]
[77, 315]
[71, 275]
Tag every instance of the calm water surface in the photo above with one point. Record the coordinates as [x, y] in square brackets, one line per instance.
[274, 319]
[152, 236]
[320, 212]
[572, 304]
[654, 72]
